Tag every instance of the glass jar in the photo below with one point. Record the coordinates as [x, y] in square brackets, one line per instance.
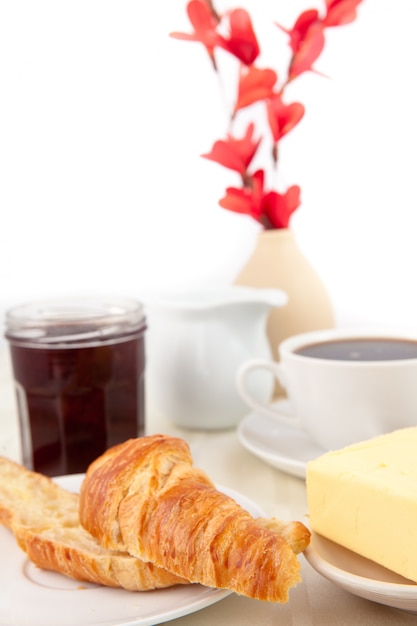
[78, 366]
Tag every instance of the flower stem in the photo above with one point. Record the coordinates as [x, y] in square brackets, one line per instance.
[213, 10]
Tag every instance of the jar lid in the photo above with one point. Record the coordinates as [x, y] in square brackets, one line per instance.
[74, 320]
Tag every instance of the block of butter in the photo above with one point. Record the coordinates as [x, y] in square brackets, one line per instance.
[364, 497]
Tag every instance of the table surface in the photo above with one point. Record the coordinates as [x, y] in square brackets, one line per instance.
[315, 601]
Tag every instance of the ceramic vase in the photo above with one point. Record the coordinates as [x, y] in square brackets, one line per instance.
[277, 261]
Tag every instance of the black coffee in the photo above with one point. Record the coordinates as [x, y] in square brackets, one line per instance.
[361, 349]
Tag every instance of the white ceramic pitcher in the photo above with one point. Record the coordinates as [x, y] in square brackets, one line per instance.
[196, 341]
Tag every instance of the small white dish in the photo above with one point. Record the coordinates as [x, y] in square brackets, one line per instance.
[360, 576]
[35, 597]
[285, 448]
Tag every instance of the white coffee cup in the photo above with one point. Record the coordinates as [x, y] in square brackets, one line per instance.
[344, 400]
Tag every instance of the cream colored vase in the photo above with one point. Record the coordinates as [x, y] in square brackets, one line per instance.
[278, 262]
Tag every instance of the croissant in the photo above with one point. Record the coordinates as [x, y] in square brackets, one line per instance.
[145, 497]
[44, 520]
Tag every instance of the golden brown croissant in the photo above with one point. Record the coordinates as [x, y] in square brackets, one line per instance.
[144, 496]
[294, 533]
[44, 520]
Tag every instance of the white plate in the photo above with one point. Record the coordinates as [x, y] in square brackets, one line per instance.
[30, 596]
[288, 449]
[360, 576]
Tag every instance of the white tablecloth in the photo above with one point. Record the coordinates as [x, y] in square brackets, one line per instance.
[314, 602]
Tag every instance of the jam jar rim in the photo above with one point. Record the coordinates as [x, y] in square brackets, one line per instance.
[75, 320]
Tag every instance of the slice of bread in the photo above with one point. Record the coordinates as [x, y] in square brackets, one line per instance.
[44, 520]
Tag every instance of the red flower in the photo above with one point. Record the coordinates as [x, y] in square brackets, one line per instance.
[340, 12]
[242, 42]
[233, 32]
[235, 154]
[254, 85]
[306, 42]
[246, 200]
[300, 29]
[278, 208]
[205, 25]
[271, 209]
[283, 117]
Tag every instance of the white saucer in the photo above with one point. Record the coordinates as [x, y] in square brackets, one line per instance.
[288, 449]
[360, 576]
[35, 597]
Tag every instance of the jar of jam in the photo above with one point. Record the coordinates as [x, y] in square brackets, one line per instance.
[78, 367]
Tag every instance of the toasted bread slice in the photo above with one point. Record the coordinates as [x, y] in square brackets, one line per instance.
[44, 520]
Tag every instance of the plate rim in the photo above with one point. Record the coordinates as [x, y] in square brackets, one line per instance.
[287, 464]
[381, 591]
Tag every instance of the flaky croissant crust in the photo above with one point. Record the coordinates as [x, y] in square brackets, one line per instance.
[145, 497]
[44, 520]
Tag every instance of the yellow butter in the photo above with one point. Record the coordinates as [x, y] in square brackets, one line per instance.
[364, 497]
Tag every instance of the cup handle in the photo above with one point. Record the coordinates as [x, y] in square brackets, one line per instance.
[258, 405]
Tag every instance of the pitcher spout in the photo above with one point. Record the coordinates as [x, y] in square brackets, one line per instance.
[206, 299]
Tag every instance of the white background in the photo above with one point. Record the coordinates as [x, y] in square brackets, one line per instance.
[102, 121]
